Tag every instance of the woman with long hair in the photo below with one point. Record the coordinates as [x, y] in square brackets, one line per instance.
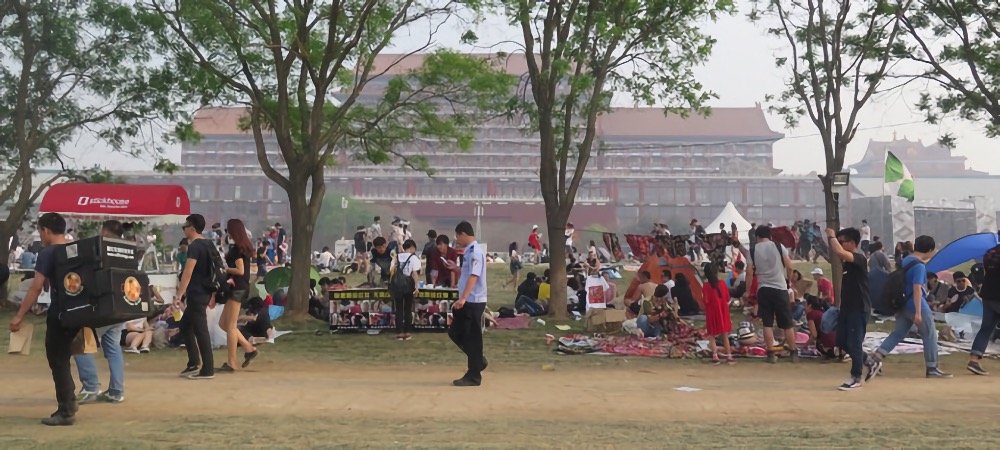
[238, 262]
[717, 321]
[686, 304]
[515, 266]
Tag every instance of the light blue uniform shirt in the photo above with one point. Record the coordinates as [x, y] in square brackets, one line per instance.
[474, 264]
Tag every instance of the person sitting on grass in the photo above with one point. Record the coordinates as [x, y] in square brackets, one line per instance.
[137, 336]
[824, 342]
[258, 328]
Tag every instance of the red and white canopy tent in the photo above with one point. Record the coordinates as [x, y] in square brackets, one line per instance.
[154, 204]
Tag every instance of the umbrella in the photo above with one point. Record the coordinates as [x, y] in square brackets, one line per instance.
[973, 246]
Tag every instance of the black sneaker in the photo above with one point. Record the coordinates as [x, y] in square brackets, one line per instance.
[874, 369]
[937, 373]
[249, 357]
[202, 376]
[226, 368]
[191, 370]
[57, 419]
[485, 365]
[465, 382]
[850, 385]
[976, 368]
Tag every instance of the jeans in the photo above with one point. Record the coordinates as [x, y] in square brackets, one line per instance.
[58, 343]
[649, 329]
[991, 318]
[466, 332]
[851, 327]
[404, 313]
[904, 321]
[194, 328]
[110, 337]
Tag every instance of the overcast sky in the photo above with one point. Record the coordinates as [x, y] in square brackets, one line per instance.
[742, 72]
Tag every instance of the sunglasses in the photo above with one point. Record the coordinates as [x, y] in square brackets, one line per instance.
[185, 226]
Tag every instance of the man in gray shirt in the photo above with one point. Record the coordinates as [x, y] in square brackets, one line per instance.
[878, 260]
[773, 269]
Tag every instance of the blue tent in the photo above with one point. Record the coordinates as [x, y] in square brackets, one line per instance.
[962, 250]
[973, 308]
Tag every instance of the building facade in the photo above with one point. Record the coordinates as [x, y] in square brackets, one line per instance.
[647, 168]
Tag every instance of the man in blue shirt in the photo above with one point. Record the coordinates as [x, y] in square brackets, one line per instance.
[52, 232]
[467, 324]
[916, 312]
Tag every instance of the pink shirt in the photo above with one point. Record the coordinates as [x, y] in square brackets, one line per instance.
[825, 289]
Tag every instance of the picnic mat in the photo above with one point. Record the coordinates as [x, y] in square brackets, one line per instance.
[513, 323]
[682, 343]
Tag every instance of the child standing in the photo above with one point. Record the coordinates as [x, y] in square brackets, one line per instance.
[717, 320]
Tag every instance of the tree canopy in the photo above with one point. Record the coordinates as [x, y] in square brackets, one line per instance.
[316, 80]
[957, 46]
[579, 54]
[72, 68]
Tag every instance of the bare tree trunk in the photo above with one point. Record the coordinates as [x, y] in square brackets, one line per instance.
[833, 222]
[556, 222]
[303, 218]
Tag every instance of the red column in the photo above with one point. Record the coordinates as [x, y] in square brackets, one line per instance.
[411, 188]
[356, 188]
[491, 188]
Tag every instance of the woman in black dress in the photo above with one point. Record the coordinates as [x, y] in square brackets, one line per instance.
[238, 268]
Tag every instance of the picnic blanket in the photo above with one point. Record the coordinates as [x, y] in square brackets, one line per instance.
[682, 343]
[513, 323]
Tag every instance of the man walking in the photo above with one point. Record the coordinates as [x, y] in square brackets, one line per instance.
[194, 280]
[467, 325]
[110, 337]
[58, 340]
[280, 244]
[855, 302]
[773, 269]
[991, 310]
[916, 312]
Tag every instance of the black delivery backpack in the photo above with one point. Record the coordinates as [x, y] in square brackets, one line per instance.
[98, 283]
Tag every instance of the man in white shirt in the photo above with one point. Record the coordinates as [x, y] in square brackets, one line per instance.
[325, 261]
[866, 236]
[570, 232]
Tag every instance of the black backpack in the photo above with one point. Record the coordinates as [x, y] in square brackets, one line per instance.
[218, 280]
[894, 292]
[401, 284]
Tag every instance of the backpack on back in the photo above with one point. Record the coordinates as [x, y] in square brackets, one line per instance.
[217, 281]
[894, 292]
[400, 284]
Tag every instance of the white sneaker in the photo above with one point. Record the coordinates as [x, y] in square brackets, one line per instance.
[850, 385]
[131, 350]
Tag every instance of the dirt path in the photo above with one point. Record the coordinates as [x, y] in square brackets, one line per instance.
[750, 393]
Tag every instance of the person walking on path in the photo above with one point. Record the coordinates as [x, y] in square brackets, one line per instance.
[991, 310]
[194, 287]
[467, 325]
[915, 312]
[110, 337]
[855, 301]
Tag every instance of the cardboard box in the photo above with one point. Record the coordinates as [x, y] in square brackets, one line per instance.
[604, 320]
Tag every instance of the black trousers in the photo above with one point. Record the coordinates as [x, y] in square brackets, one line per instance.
[466, 332]
[404, 313]
[197, 340]
[58, 343]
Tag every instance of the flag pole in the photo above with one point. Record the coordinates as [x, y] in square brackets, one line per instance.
[881, 200]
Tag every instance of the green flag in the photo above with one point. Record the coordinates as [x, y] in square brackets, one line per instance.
[898, 177]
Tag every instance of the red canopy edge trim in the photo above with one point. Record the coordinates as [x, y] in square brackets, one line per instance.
[165, 203]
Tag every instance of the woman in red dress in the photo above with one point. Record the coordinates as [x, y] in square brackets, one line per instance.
[716, 296]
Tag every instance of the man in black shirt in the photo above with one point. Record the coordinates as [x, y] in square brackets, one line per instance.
[194, 285]
[427, 254]
[381, 258]
[991, 309]
[960, 294]
[855, 303]
[52, 232]
[361, 249]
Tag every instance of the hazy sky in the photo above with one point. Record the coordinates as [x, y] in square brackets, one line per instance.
[741, 71]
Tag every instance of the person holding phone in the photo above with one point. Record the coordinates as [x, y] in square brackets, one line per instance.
[437, 264]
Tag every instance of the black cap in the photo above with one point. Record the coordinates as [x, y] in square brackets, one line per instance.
[432, 233]
[959, 276]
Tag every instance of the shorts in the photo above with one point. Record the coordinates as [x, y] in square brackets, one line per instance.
[238, 297]
[773, 306]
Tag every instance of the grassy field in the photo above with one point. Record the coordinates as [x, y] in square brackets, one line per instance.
[360, 391]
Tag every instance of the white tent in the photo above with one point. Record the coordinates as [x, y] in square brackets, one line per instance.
[729, 216]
